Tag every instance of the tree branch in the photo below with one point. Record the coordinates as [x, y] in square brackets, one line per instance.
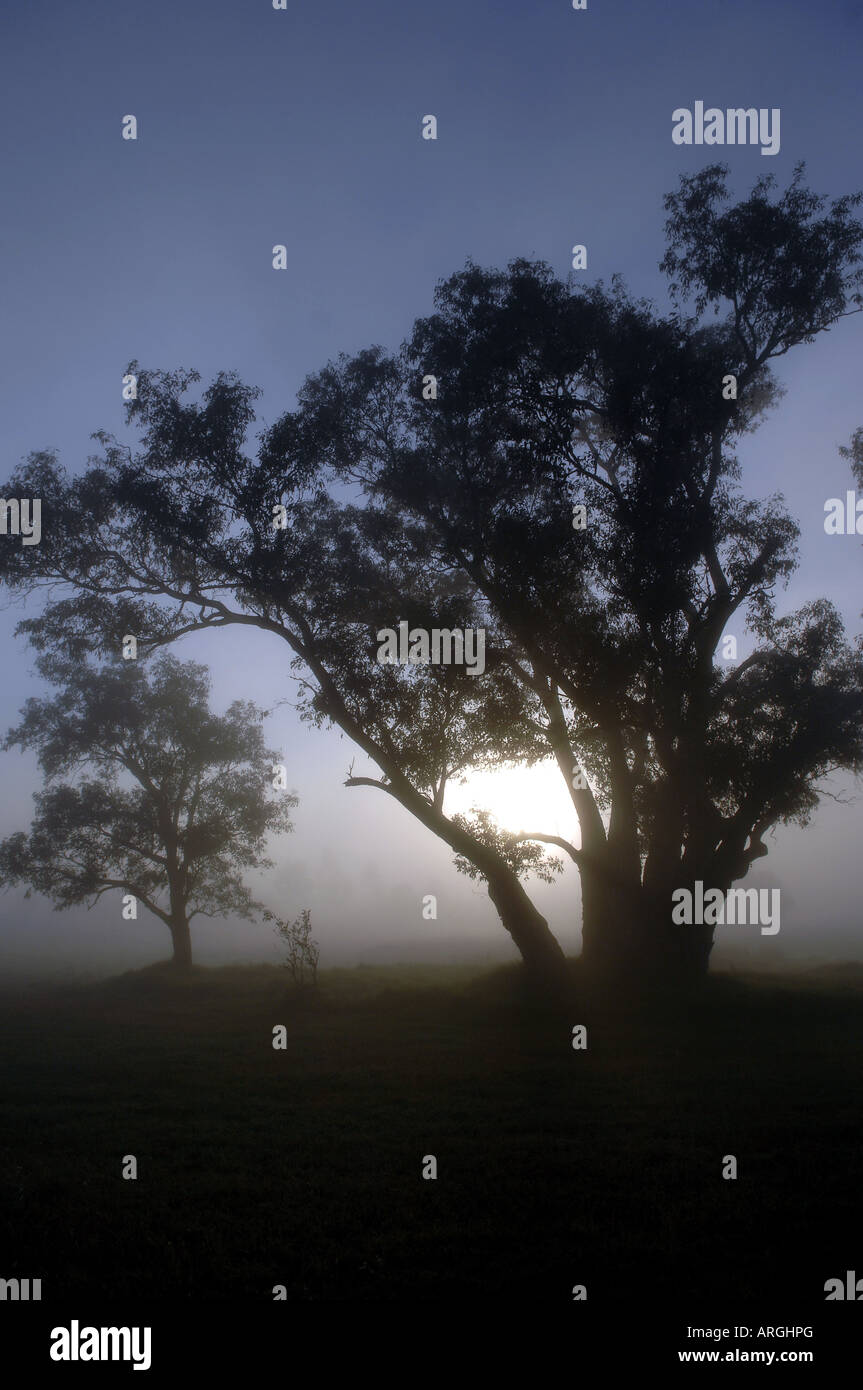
[574, 854]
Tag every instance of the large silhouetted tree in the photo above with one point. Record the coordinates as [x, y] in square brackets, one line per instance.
[602, 640]
[167, 801]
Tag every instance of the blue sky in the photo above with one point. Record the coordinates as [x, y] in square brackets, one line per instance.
[302, 127]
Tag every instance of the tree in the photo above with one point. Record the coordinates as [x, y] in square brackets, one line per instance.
[600, 642]
[168, 802]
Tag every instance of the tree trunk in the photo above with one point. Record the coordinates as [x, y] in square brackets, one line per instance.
[675, 952]
[613, 927]
[178, 922]
[182, 940]
[628, 933]
[539, 949]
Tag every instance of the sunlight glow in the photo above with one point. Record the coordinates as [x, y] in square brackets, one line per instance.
[520, 799]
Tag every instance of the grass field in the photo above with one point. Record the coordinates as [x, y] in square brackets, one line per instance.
[302, 1167]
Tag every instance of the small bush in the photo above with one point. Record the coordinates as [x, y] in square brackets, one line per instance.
[303, 952]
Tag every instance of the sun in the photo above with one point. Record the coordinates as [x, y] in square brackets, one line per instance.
[520, 799]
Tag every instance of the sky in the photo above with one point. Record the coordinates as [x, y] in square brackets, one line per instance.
[302, 127]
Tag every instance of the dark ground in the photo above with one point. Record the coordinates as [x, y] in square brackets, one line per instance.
[302, 1167]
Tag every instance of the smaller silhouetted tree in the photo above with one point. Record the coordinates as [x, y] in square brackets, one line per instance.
[163, 800]
[303, 952]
